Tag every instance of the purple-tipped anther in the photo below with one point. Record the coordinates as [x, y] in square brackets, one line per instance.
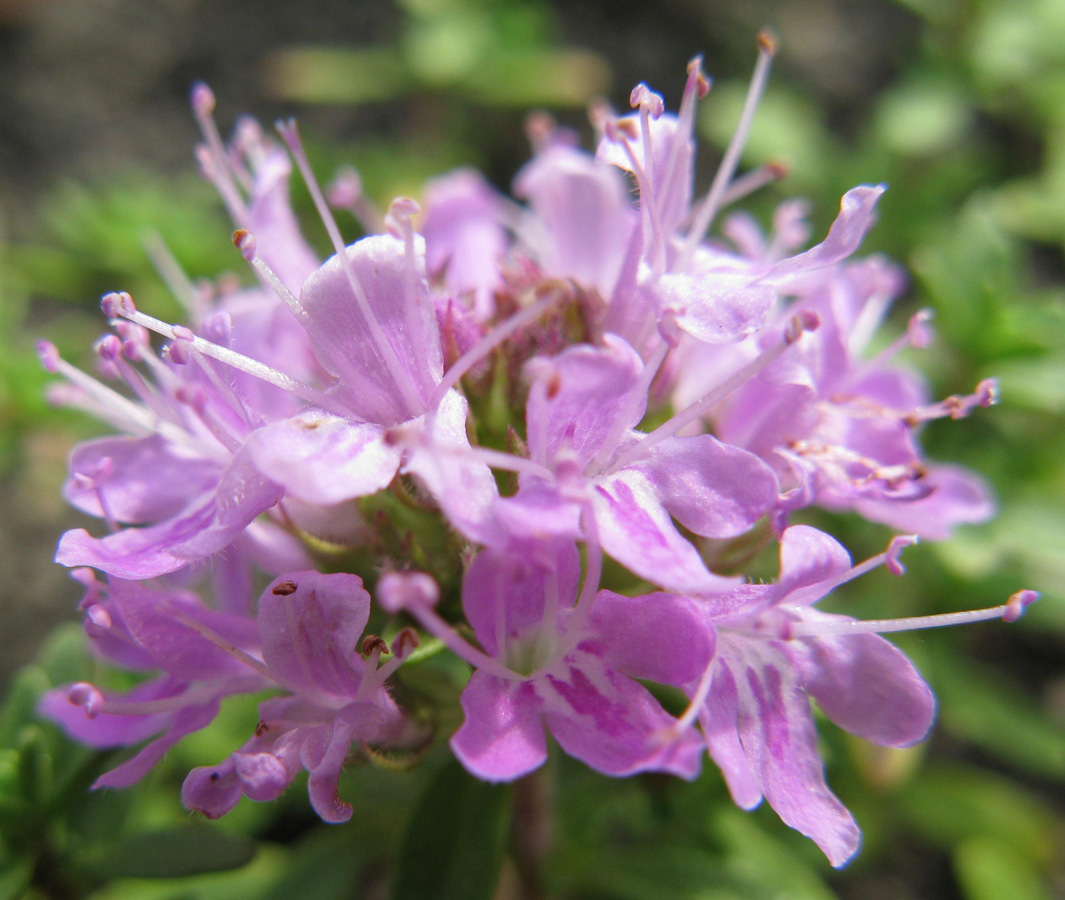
[1017, 604]
[88, 697]
[48, 354]
[406, 592]
[117, 304]
[201, 99]
[799, 324]
[893, 560]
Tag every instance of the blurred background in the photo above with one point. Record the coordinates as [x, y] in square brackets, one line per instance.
[959, 105]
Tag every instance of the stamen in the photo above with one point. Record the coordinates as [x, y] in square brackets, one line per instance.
[220, 642]
[215, 160]
[346, 192]
[290, 135]
[890, 559]
[767, 48]
[957, 406]
[174, 277]
[244, 241]
[1008, 612]
[753, 181]
[112, 406]
[415, 593]
[795, 328]
[122, 305]
[593, 573]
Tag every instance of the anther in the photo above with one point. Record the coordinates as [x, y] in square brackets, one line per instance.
[117, 304]
[767, 42]
[892, 561]
[88, 697]
[405, 642]
[201, 99]
[284, 589]
[799, 324]
[244, 241]
[697, 79]
[48, 354]
[373, 643]
[646, 100]
[1017, 604]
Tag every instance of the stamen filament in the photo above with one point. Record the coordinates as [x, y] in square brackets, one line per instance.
[1008, 612]
[231, 358]
[457, 644]
[694, 411]
[712, 203]
[402, 381]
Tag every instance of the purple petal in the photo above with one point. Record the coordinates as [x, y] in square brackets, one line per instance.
[578, 398]
[808, 558]
[655, 637]
[151, 479]
[867, 686]
[612, 723]
[711, 488]
[212, 790]
[502, 737]
[462, 485]
[311, 625]
[136, 553]
[636, 531]
[957, 497]
[715, 307]
[325, 459]
[719, 719]
[185, 722]
[776, 729]
[398, 294]
[585, 215]
[154, 620]
[516, 584]
[855, 217]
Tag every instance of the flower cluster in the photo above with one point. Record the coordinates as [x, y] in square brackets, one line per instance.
[451, 426]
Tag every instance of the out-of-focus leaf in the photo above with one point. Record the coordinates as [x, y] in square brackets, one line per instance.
[978, 707]
[323, 867]
[454, 843]
[922, 117]
[15, 878]
[764, 864]
[951, 804]
[988, 871]
[174, 853]
[654, 872]
[321, 75]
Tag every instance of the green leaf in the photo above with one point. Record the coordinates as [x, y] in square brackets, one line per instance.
[952, 804]
[454, 843]
[15, 879]
[989, 871]
[174, 853]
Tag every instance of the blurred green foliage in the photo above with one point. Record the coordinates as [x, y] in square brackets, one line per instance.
[970, 136]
